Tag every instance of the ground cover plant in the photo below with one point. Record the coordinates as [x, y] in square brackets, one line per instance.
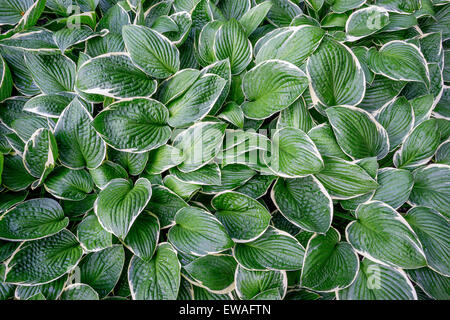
[224, 149]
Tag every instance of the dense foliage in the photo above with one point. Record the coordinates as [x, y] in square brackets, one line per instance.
[224, 149]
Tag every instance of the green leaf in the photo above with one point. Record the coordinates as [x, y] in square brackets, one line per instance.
[345, 5]
[106, 172]
[114, 75]
[199, 144]
[366, 21]
[430, 188]
[164, 203]
[231, 42]
[163, 158]
[251, 19]
[196, 102]
[92, 236]
[329, 264]
[274, 250]
[101, 270]
[48, 105]
[250, 284]
[399, 60]
[400, 6]
[345, 180]
[143, 236]
[67, 184]
[382, 235]
[15, 177]
[378, 282]
[433, 231]
[292, 44]
[151, 51]
[79, 291]
[336, 75]
[52, 73]
[44, 260]
[397, 118]
[48, 291]
[244, 218]
[198, 232]
[11, 11]
[207, 175]
[395, 186]
[358, 133]
[157, 279]
[213, 272]
[119, 204]
[32, 219]
[135, 125]
[296, 116]
[304, 202]
[78, 143]
[432, 283]
[270, 87]
[40, 154]
[419, 146]
[134, 163]
[6, 81]
[293, 154]
[66, 38]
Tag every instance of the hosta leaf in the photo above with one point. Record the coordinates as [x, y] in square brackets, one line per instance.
[157, 279]
[67, 184]
[432, 283]
[119, 204]
[165, 203]
[163, 158]
[198, 232]
[358, 133]
[15, 177]
[330, 264]
[344, 179]
[32, 219]
[143, 236]
[400, 6]
[336, 75]
[274, 250]
[101, 270]
[244, 218]
[365, 22]
[325, 141]
[378, 282]
[48, 105]
[443, 153]
[12, 11]
[207, 175]
[196, 102]
[92, 236]
[40, 154]
[251, 19]
[78, 143]
[213, 272]
[397, 118]
[66, 38]
[109, 170]
[399, 60]
[293, 44]
[135, 125]
[270, 87]
[419, 146]
[199, 144]
[79, 291]
[134, 163]
[6, 82]
[433, 231]
[49, 291]
[42, 261]
[151, 51]
[381, 91]
[251, 284]
[381, 234]
[395, 186]
[231, 42]
[114, 75]
[52, 73]
[304, 202]
[293, 154]
[345, 5]
[296, 116]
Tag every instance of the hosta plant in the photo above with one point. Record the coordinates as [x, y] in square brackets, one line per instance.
[224, 149]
